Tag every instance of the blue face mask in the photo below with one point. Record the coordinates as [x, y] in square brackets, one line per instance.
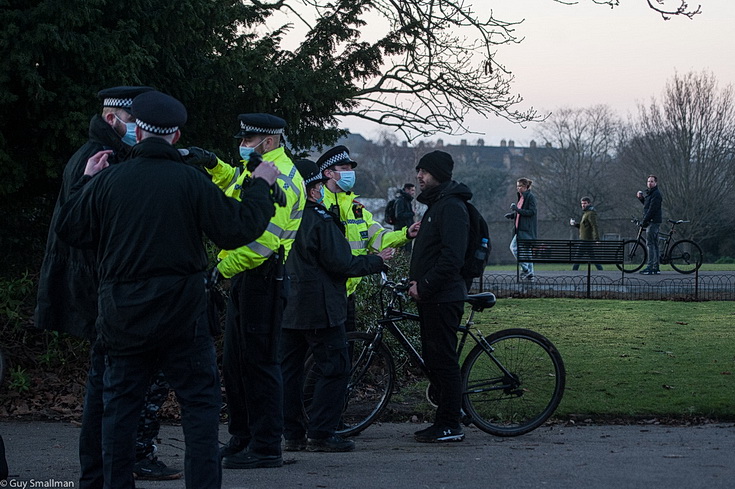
[129, 137]
[346, 180]
[245, 152]
[321, 195]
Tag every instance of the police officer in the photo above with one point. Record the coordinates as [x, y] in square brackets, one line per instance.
[145, 218]
[250, 365]
[363, 233]
[67, 297]
[314, 320]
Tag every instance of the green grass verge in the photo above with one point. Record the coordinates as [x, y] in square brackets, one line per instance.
[634, 359]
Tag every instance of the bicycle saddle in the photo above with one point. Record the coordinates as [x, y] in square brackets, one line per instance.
[481, 301]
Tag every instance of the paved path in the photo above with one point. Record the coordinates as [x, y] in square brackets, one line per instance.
[589, 457]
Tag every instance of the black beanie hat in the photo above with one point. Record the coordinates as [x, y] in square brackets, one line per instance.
[439, 164]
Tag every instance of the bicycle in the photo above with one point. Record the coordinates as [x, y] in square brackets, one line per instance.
[512, 380]
[684, 255]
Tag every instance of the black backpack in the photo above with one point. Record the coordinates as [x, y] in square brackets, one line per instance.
[390, 212]
[478, 245]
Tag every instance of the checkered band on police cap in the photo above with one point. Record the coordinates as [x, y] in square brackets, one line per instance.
[158, 113]
[252, 124]
[339, 155]
[121, 97]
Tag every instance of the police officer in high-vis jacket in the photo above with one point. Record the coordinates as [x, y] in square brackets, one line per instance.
[364, 234]
[251, 370]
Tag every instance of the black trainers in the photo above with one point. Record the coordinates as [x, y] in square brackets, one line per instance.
[233, 446]
[439, 434]
[649, 271]
[152, 469]
[295, 445]
[251, 460]
[334, 443]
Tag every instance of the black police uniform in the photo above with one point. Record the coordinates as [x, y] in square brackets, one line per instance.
[318, 266]
[145, 219]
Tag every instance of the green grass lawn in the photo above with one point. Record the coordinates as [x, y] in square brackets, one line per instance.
[634, 358]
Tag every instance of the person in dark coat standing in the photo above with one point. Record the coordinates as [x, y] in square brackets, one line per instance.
[144, 220]
[439, 289]
[314, 320]
[67, 298]
[404, 211]
[523, 214]
[652, 217]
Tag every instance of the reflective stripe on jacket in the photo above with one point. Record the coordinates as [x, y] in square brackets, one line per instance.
[363, 233]
[282, 227]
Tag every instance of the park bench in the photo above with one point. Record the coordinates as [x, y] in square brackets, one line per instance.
[570, 251]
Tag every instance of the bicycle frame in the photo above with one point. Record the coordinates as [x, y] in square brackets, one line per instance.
[667, 238]
[394, 313]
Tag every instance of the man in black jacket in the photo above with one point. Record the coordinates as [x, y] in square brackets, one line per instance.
[314, 320]
[67, 298]
[652, 217]
[438, 287]
[145, 220]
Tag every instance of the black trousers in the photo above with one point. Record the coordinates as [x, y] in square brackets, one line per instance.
[250, 365]
[439, 322]
[331, 370]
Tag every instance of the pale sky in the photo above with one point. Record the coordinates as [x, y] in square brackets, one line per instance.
[587, 54]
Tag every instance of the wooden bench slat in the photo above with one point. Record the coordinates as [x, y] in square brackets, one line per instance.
[569, 251]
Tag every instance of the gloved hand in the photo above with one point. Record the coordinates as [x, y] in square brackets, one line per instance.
[513, 207]
[278, 195]
[199, 157]
[510, 215]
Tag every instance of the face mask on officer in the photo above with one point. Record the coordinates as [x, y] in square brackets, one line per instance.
[346, 179]
[245, 152]
[129, 137]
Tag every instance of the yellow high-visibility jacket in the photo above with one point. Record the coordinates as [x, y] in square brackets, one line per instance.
[283, 226]
[364, 233]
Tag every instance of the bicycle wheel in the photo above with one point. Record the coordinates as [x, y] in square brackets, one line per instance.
[369, 388]
[634, 256]
[515, 388]
[685, 256]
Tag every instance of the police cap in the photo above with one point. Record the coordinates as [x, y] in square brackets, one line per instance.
[121, 97]
[252, 124]
[309, 172]
[158, 113]
[339, 155]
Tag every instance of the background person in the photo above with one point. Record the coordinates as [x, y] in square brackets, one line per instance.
[587, 225]
[145, 219]
[523, 214]
[314, 321]
[439, 288]
[404, 211]
[651, 222]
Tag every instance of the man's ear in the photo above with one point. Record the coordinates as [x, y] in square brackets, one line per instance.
[176, 137]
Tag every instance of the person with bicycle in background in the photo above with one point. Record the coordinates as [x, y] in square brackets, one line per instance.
[439, 288]
[651, 222]
[314, 320]
[364, 234]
